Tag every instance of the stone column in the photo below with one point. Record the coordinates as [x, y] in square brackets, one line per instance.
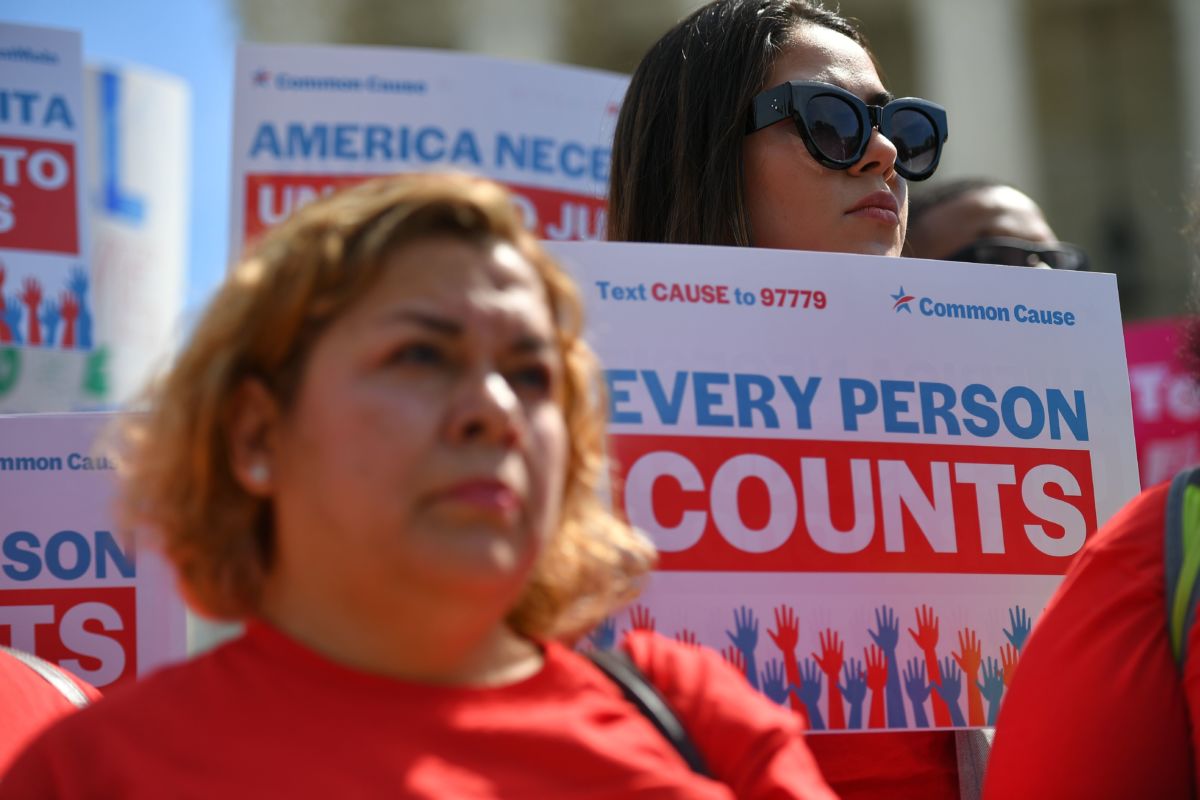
[1186, 15]
[972, 58]
[530, 29]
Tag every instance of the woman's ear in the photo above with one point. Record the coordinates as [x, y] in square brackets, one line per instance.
[252, 426]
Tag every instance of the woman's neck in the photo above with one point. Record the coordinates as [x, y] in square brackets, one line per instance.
[448, 642]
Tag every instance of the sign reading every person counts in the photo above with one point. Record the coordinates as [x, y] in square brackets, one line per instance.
[72, 589]
[310, 119]
[42, 231]
[865, 476]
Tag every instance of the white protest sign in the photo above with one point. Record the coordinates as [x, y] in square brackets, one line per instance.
[71, 590]
[310, 119]
[43, 273]
[865, 476]
[136, 136]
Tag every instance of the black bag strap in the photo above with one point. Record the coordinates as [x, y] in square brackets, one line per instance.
[52, 675]
[642, 694]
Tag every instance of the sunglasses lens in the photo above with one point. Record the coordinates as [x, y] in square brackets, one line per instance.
[1008, 255]
[916, 140]
[835, 128]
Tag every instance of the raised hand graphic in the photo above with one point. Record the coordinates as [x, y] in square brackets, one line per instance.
[774, 685]
[877, 677]
[992, 688]
[79, 287]
[809, 692]
[50, 319]
[734, 658]
[949, 688]
[687, 637]
[786, 636]
[32, 298]
[854, 690]
[830, 662]
[1021, 626]
[887, 636]
[744, 637]
[640, 618]
[926, 637]
[917, 690]
[12, 318]
[969, 657]
[1008, 660]
[604, 635]
[69, 309]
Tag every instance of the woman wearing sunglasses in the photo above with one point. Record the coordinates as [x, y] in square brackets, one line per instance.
[764, 123]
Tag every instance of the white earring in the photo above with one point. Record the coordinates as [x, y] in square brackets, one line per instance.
[260, 473]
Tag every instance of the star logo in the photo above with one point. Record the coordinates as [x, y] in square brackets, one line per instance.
[262, 77]
[902, 299]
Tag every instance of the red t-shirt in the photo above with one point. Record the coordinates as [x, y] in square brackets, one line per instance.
[1097, 707]
[898, 766]
[266, 717]
[28, 704]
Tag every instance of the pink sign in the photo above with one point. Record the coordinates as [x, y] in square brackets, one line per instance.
[1166, 403]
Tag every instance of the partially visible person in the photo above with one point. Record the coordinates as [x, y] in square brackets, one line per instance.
[986, 222]
[381, 449]
[1105, 701]
[33, 694]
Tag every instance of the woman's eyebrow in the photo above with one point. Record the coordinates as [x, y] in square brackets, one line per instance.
[531, 344]
[433, 322]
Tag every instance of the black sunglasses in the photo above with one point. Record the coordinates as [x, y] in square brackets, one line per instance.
[1022, 253]
[836, 126]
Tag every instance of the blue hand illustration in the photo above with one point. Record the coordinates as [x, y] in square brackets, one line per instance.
[79, 287]
[887, 637]
[12, 316]
[809, 692]
[744, 637]
[604, 635]
[854, 690]
[1021, 626]
[917, 689]
[992, 687]
[774, 685]
[50, 317]
[949, 689]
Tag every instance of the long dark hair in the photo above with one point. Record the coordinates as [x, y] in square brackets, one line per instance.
[677, 150]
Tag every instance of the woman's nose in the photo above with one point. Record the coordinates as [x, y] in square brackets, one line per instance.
[879, 158]
[486, 409]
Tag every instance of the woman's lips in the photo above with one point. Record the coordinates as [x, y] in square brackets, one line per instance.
[878, 206]
[485, 495]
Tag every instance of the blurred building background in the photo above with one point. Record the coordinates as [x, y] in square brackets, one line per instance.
[1091, 106]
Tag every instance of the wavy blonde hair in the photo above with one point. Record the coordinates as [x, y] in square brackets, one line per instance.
[176, 474]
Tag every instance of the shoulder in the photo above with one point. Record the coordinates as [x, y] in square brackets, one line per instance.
[751, 744]
[97, 745]
[1099, 660]
[692, 678]
[1138, 525]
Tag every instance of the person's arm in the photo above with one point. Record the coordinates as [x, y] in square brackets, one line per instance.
[1096, 707]
[750, 744]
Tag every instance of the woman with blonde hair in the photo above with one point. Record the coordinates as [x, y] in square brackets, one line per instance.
[381, 449]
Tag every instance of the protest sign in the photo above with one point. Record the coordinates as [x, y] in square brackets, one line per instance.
[71, 589]
[42, 231]
[1166, 400]
[311, 119]
[136, 134]
[884, 463]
